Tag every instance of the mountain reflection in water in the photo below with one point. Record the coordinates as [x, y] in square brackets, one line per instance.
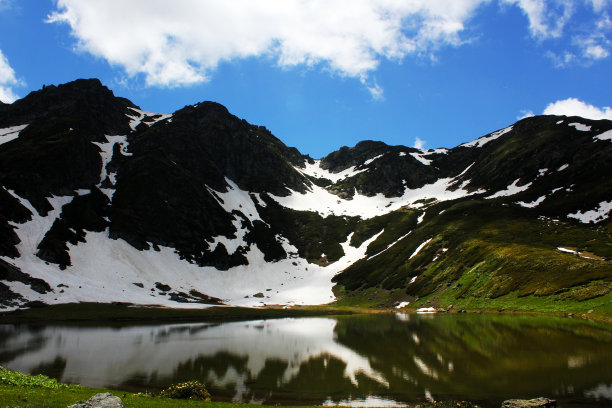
[353, 360]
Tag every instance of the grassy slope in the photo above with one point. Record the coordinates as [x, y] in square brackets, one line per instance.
[497, 257]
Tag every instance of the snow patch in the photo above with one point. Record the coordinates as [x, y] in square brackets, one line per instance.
[577, 253]
[105, 269]
[402, 305]
[598, 214]
[136, 119]
[532, 204]
[421, 218]
[367, 162]
[443, 250]
[231, 245]
[402, 154]
[420, 158]
[315, 170]
[235, 199]
[106, 151]
[581, 127]
[440, 150]
[486, 139]
[512, 189]
[565, 166]
[10, 133]
[604, 136]
[319, 200]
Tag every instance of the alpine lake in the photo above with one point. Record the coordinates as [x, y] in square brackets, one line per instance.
[359, 360]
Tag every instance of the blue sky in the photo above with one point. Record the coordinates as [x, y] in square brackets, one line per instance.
[321, 74]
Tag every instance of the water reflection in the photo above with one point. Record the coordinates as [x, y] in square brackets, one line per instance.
[359, 360]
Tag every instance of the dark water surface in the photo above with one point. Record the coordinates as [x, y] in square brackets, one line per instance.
[359, 360]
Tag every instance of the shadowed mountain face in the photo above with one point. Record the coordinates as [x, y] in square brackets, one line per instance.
[103, 201]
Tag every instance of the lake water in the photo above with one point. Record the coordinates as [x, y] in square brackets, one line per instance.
[351, 360]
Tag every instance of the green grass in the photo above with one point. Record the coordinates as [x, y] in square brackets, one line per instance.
[496, 258]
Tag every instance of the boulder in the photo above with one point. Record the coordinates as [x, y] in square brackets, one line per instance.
[105, 400]
[532, 403]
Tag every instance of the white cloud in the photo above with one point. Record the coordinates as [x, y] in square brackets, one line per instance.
[525, 114]
[547, 19]
[576, 107]
[7, 80]
[599, 5]
[419, 143]
[559, 19]
[593, 47]
[182, 42]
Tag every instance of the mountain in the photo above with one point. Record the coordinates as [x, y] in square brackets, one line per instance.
[102, 201]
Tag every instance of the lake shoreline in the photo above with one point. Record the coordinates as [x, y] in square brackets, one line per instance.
[128, 313]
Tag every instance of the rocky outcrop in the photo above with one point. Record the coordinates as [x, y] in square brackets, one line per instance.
[105, 400]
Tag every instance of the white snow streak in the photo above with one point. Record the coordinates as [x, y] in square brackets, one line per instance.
[390, 245]
[510, 190]
[10, 133]
[486, 139]
[416, 251]
[565, 166]
[106, 154]
[532, 204]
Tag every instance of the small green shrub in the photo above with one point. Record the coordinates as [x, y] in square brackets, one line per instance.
[192, 390]
[23, 380]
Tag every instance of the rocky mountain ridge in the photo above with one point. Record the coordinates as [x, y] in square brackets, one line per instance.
[103, 201]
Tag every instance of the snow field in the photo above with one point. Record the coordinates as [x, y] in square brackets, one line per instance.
[321, 201]
[106, 270]
[597, 214]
